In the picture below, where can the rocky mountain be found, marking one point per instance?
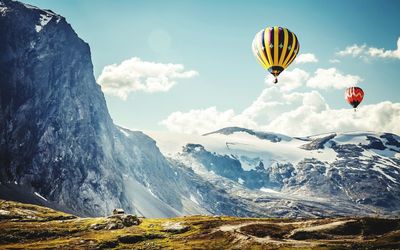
(60, 148)
(328, 174)
(58, 144)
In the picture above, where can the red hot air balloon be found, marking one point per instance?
(354, 96)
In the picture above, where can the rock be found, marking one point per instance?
(97, 226)
(176, 228)
(117, 222)
(318, 143)
(114, 225)
(130, 220)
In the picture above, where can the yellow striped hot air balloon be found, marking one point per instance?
(275, 48)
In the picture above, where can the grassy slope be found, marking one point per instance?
(34, 227)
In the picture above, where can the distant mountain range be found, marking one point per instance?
(336, 173)
(60, 148)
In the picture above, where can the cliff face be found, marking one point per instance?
(58, 144)
(55, 130)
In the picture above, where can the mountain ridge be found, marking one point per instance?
(335, 167)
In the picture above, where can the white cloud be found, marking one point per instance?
(295, 114)
(380, 117)
(363, 51)
(375, 52)
(272, 102)
(306, 58)
(353, 50)
(334, 61)
(289, 79)
(332, 78)
(200, 121)
(136, 75)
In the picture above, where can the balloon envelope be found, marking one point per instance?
(275, 48)
(354, 96)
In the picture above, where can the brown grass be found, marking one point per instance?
(33, 227)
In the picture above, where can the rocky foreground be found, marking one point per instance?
(29, 226)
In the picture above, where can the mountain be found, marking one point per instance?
(58, 144)
(322, 175)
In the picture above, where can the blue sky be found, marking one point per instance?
(214, 39)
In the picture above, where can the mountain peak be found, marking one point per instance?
(42, 17)
(270, 136)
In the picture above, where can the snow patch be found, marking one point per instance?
(246, 165)
(268, 190)
(124, 132)
(378, 169)
(356, 138)
(151, 192)
(386, 152)
(43, 21)
(192, 198)
(243, 146)
(3, 10)
(38, 195)
(241, 181)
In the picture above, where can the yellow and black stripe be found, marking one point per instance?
(275, 48)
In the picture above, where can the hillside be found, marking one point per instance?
(29, 226)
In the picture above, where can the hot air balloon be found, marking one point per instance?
(275, 48)
(354, 96)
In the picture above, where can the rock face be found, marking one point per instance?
(58, 144)
(56, 136)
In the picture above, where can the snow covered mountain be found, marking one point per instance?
(336, 173)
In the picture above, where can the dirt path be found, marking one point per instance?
(322, 227)
(232, 227)
(245, 238)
